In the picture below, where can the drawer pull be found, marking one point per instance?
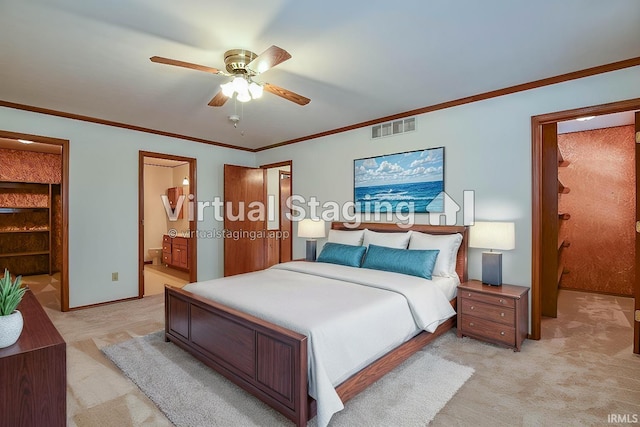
(501, 301)
(502, 333)
(469, 294)
(501, 314)
(472, 307)
(471, 324)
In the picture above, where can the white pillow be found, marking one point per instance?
(390, 240)
(346, 237)
(448, 245)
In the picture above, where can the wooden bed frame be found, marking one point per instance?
(270, 361)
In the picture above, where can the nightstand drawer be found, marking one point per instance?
(490, 299)
(490, 312)
(474, 326)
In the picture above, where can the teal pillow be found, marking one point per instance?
(336, 253)
(413, 262)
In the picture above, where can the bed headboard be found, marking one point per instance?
(385, 227)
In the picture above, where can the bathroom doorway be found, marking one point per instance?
(167, 246)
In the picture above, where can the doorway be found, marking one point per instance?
(278, 190)
(34, 215)
(167, 242)
(545, 215)
(255, 241)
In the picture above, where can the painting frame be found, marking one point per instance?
(404, 182)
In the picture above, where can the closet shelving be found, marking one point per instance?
(27, 227)
(563, 243)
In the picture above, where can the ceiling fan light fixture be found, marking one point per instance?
(256, 90)
(242, 66)
(227, 89)
(240, 84)
(243, 96)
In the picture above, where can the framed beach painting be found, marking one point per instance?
(400, 183)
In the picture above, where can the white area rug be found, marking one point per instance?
(191, 394)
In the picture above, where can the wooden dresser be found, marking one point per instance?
(33, 372)
(495, 314)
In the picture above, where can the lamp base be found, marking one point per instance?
(492, 268)
(311, 250)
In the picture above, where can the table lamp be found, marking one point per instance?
(311, 229)
(492, 235)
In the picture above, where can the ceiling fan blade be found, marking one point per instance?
(268, 59)
(286, 94)
(169, 61)
(218, 100)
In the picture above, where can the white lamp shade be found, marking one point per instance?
(227, 89)
(311, 228)
(243, 96)
(240, 84)
(493, 235)
(256, 90)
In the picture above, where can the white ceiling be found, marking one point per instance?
(14, 144)
(357, 61)
(598, 122)
(157, 161)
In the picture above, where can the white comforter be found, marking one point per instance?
(351, 316)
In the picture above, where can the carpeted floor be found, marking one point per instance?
(580, 372)
(190, 394)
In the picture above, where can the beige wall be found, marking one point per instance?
(156, 181)
(179, 172)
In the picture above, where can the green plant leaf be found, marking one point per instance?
(11, 293)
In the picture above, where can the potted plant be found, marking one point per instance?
(11, 293)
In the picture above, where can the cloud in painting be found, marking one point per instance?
(402, 168)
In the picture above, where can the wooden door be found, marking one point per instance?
(244, 249)
(549, 220)
(285, 222)
(636, 323)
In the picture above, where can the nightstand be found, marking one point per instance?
(495, 314)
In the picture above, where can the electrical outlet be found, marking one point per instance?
(114, 277)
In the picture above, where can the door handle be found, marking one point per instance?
(637, 226)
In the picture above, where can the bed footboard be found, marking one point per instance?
(264, 359)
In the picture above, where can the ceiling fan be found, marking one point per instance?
(243, 66)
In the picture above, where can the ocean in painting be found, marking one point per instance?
(382, 198)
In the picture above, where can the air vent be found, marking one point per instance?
(393, 128)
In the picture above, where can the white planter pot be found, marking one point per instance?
(10, 328)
